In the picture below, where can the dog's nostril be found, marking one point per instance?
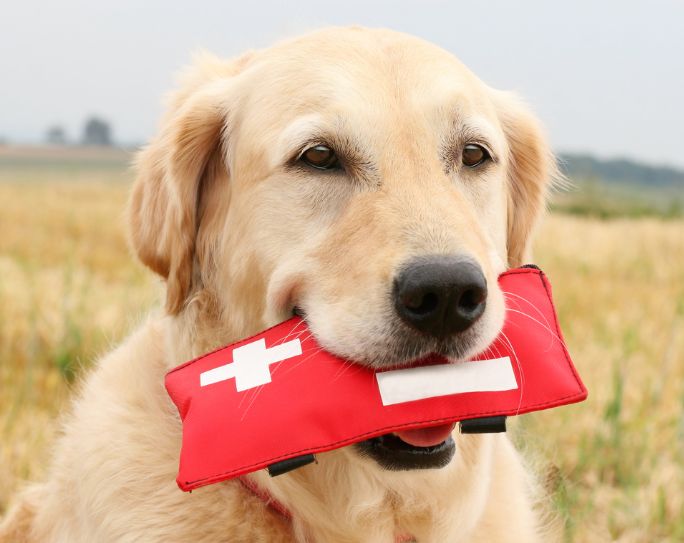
(440, 295)
(420, 303)
(471, 299)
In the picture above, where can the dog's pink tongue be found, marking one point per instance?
(426, 437)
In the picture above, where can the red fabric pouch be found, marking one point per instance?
(277, 398)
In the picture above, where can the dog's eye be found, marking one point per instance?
(474, 155)
(321, 157)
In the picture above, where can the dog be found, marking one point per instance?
(366, 180)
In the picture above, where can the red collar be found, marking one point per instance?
(266, 497)
(283, 511)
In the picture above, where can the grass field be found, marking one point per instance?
(69, 290)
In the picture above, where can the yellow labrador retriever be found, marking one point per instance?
(366, 180)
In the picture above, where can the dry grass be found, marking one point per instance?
(620, 455)
(69, 290)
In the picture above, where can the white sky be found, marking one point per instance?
(605, 76)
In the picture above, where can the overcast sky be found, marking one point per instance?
(605, 76)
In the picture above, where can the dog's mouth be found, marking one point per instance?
(424, 448)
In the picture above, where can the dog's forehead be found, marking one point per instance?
(364, 67)
(366, 77)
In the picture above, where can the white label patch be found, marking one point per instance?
(407, 385)
(250, 366)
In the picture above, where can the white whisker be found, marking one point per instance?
(289, 334)
(551, 332)
(541, 314)
(520, 371)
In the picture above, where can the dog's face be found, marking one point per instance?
(364, 179)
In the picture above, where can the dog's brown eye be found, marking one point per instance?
(321, 157)
(474, 155)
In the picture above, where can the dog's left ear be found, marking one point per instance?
(531, 172)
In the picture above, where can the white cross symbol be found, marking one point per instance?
(251, 363)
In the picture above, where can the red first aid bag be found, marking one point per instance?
(277, 397)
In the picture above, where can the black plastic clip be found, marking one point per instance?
(484, 425)
(291, 463)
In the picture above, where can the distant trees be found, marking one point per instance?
(620, 171)
(56, 135)
(96, 132)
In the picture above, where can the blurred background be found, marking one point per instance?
(82, 87)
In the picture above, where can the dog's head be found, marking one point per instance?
(363, 178)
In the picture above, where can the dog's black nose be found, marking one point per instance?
(440, 295)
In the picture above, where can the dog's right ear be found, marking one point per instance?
(172, 169)
(531, 173)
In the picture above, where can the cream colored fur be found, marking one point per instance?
(241, 235)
